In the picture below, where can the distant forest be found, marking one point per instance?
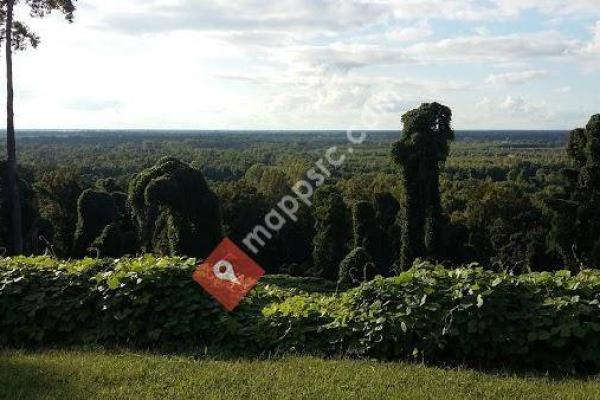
(510, 200)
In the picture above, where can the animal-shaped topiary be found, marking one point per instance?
(175, 210)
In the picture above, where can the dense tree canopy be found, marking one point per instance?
(424, 146)
(575, 232)
(518, 205)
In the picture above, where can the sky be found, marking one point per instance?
(311, 64)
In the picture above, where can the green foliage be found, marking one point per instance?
(363, 217)
(386, 214)
(424, 146)
(529, 167)
(175, 210)
(109, 185)
(270, 181)
(502, 221)
(142, 302)
(575, 228)
(31, 219)
(22, 35)
(547, 320)
(58, 192)
(462, 315)
(369, 235)
(332, 221)
(356, 267)
(96, 210)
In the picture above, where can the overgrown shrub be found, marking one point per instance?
(356, 267)
(142, 302)
(175, 209)
(462, 315)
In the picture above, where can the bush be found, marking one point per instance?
(463, 315)
(356, 267)
(142, 302)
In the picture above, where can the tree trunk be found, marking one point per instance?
(13, 189)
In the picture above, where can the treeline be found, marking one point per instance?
(374, 216)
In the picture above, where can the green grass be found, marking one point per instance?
(102, 375)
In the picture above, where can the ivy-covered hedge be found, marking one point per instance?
(551, 320)
(143, 302)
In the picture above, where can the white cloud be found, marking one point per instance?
(410, 33)
(593, 47)
(283, 15)
(515, 78)
(298, 63)
(519, 106)
(510, 111)
(341, 57)
(552, 8)
(469, 10)
(563, 90)
(487, 48)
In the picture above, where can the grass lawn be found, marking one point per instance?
(104, 375)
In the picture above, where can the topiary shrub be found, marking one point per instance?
(420, 152)
(175, 210)
(95, 210)
(104, 223)
(356, 267)
(333, 226)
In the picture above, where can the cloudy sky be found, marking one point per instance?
(312, 64)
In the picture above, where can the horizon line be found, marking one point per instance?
(269, 130)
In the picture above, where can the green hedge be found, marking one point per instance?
(551, 320)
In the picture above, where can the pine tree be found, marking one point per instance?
(16, 37)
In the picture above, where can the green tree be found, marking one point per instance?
(333, 231)
(368, 234)
(386, 214)
(17, 36)
(270, 181)
(420, 152)
(58, 192)
(32, 223)
(504, 226)
(175, 210)
(575, 231)
(96, 210)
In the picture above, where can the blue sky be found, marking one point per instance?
(312, 64)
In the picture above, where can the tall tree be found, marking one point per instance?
(58, 192)
(386, 213)
(424, 146)
(575, 231)
(333, 231)
(17, 36)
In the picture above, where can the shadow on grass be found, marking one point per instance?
(20, 374)
(23, 379)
